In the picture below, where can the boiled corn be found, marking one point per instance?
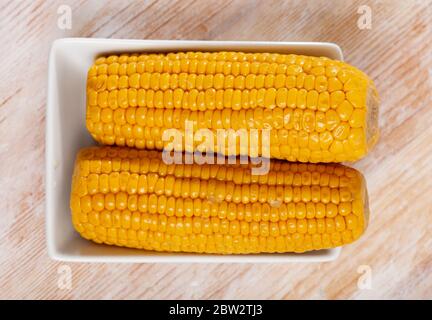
(128, 197)
(317, 109)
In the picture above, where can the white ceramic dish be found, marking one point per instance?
(66, 133)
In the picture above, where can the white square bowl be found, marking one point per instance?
(66, 133)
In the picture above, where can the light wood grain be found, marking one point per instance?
(396, 53)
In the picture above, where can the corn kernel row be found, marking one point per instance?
(235, 99)
(223, 180)
(111, 173)
(217, 225)
(256, 211)
(231, 56)
(217, 243)
(286, 64)
(223, 190)
(275, 120)
(219, 81)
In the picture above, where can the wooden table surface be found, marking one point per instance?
(393, 259)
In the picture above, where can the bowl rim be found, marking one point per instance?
(187, 45)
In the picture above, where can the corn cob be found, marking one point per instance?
(131, 198)
(318, 109)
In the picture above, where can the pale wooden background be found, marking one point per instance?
(396, 52)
